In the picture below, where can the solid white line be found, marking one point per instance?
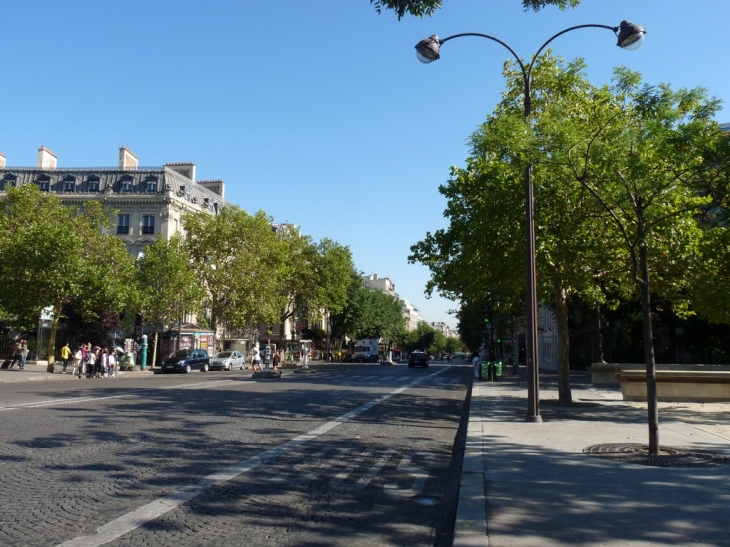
(67, 401)
(72, 400)
(134, 519)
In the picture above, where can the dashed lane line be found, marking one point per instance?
(142, 515)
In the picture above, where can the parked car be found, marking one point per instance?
(417, 359)
(185, 360)
(227, 360)
(349, 358)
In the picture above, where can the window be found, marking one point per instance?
(151, 186)
(69, 186)
(148, 224)
(92, 183)
(122, 224)
(43, 185)
(127, 186)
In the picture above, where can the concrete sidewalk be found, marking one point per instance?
(530, 484)
(38, 372)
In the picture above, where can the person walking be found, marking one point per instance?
(65, 357)
(276, 360)
(112, 364)
(90, 363)
(24, 353)
(256, 360)
(476, 363)
(17, 355)
(78, 357)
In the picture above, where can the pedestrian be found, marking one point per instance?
(275, 361)
(65, 357)
(24, 351)
(90, 363)
(104, 363)
(256, 360)
(17, 355)
(112, 364)
(78, 358)
(476, 363)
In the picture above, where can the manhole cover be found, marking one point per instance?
(669, 456)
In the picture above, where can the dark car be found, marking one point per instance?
(417, 359)
(185, 360)
(349, 358)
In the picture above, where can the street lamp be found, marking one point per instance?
(630, 36)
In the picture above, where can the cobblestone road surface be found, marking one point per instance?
(349, 456)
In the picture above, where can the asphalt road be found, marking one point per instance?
(350, 455)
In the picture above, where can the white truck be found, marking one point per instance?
(367, 351)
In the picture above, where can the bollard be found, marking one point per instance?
(143, 363)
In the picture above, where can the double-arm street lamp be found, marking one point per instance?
(630, 36)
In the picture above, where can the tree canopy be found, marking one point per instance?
(419, 8)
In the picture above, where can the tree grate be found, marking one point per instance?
(669, 456)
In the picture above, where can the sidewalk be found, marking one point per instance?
(34, 373)
(530, 484)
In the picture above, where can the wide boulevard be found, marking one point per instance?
(353, 455)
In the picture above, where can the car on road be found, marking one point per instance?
(417, 359)
(349, 358)
(186, 360)
(227, 360)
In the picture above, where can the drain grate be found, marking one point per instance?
(669, 456)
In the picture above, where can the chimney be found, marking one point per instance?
(184, 168)
(127, 160)
(3, 160)
(46, 158)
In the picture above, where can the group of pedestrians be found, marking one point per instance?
(93, 361)
(256, 361)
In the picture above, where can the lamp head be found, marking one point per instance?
(428, 50)
(630, 36)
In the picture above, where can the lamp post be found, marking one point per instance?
(630, 37)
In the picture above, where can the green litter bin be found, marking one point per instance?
(498, 368)
(485, 370)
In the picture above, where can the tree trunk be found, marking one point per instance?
(651, 394)
(154, 350)
(561, 317)
(52, 336)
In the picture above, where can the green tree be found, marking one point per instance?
(240, 263)
(382, 317)
(480, 257)
(419, 8)
(642, 155)
(316, 278)
(167, 285)
(60, 255)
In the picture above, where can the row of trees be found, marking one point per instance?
(631, 189)
(231, 270)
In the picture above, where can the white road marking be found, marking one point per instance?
(74, 400)
(420, 477)
(134, 519)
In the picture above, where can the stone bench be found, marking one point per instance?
(607, 374)
(677, 385)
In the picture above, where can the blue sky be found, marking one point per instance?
(316, 112)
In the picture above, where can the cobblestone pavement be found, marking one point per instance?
(346, 457)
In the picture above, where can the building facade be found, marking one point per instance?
(149, 201)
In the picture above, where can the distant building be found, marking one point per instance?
(411, 314)
(444, 329)
(725, 126)
(384, 284)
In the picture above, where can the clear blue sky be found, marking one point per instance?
(316, 112)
